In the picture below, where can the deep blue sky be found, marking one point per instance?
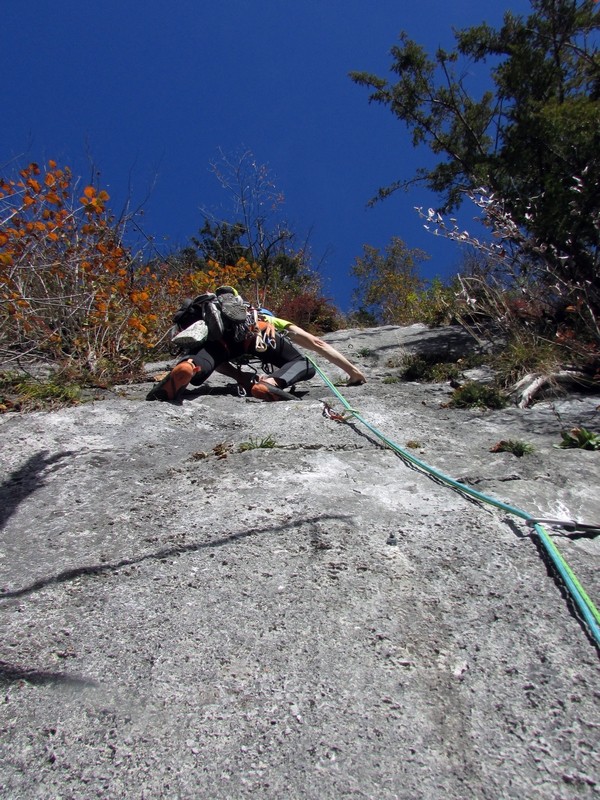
(149, 91)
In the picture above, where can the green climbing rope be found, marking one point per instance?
(585, 605)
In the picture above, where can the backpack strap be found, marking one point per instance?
(214, 320)
(182, 310)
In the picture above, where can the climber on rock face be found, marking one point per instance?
(241, 334)
(234, 331)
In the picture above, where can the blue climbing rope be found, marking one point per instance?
(583, 602)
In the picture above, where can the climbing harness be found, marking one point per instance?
(583, 602)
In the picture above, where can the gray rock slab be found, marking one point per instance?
(186, 618)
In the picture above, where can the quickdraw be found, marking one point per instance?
(330, 413)
(569, 525)
(263, 341)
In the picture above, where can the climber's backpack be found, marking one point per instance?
(223, 315)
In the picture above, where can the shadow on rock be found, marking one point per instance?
(10, 673)
(26, 480)
(99, 569)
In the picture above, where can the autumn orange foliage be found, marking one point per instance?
(71, 291)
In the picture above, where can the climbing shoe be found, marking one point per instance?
(170, 388)
(268, 392)
(233, 308)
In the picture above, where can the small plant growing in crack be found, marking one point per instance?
(268, 442)
(580, 438)
(477, 395)
(514, 446)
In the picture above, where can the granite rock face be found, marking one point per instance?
(189, 614)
